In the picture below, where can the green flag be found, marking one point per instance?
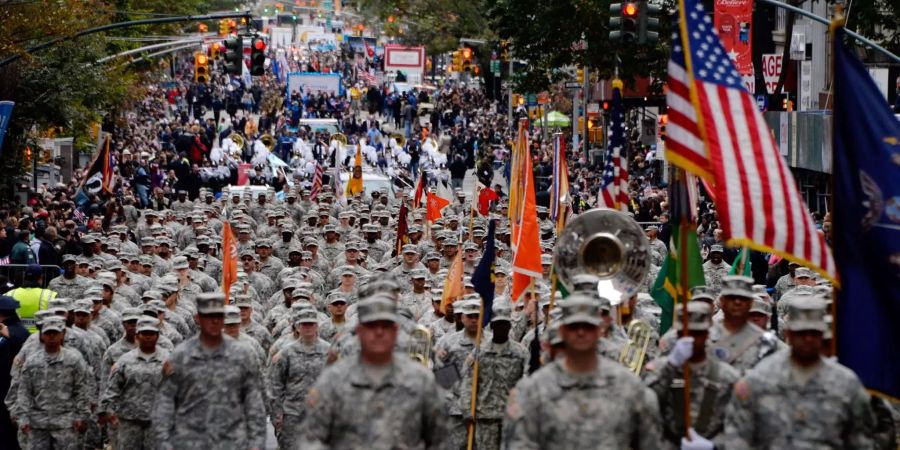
(666, 289)
(737, 262)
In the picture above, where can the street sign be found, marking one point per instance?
(593, 109)
(573, 85)
(495, 67)
(531, 99)
(762, 102)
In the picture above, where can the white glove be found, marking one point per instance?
(697, 442)
(681, 351)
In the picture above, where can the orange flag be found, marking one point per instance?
(526, 240)
(453, 287)
(355, 183)
(229, 260)
(434, 206)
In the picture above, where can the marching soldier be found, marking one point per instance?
(294, 370)
(581, 400)
(375, 400)
(796, 398)
(711, 381)
(54, 395)
(210, 396)
(127, 401)
(502, 363)
(734, 339)
(69, 284)
(715, 269)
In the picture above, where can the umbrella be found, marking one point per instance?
(558, 119)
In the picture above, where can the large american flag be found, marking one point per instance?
(757, 198)
(613, 192)
(316, 183)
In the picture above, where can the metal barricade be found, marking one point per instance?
(15, 274)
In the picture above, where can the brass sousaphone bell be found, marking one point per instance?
(268, 141)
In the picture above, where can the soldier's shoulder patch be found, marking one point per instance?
(312, 397)
(742, 390)
(513, 411)
(168, 368)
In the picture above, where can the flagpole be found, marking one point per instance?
(838, 21)
(473, 402)
(682, 293)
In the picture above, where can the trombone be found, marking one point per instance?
(420, 345)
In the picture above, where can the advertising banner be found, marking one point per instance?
(733, 20)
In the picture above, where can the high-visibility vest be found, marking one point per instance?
(31, 300)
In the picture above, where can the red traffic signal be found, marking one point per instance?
(259, 44)
(606, 106)
(629, 10)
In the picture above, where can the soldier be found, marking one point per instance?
(70, 284)
(711, 381)
(501, 363)
(294, 370)
(734, 339)
(796, 398)
(581, 400)
(210, 396)
(786, 281)
(419, 300)
(248, 325)
(402, 407)
(658, 250)
(338, 323)
(127, 400)
(233, 328)
(269, 265)
(54, 395)
(715, 269)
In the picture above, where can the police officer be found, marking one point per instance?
(796, 398)
(127, 400)
(210, 396)
(31, 296)
(294, 370)
(377, 400)
(711, 380)
(581, 400)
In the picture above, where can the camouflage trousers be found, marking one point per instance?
(488, 434)
(456, 438)
(134, 435)
(289, 435)
(54, 439)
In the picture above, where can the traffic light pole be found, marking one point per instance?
(133, 23)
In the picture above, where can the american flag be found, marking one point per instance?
(757, 198)
(367, 77)
(78, 216)
(317, 183)
(614, 187)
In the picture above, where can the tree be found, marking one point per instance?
(548, 35)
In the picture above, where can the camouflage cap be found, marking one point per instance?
(308, 315)
(210, 303)
(803, 272)
(716, 248)
(378, 307)
(242, 300)
(702, 293)
(53, 323)
(83, 306)
(501, 311)
(737, 286)
(760, 306)
(806, 313)
(180, 262)
(147, 323)
(699, 315)
(130, 314)
(430, 256)
(581, 308)
(232, 315)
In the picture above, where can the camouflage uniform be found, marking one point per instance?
(771, 409)
(607, 409)
(294, 370)
(65, 288)
(711, 382)
(348, 411)
(500, 366)
(713, 275)
(129, 395)
(210, 399)
(55, 390)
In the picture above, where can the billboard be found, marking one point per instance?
(314, 82)
(733, 20)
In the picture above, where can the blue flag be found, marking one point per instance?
(483, 277)
(6, 108)
(866, 232)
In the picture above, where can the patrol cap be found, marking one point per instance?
(347, 270)
(210, 303)
(546, 259)
(501, 311)
(88, 239)
(470, 304)
(760, 306)
(180, 262)
(147, 323)
(432, 256)
(242, 300)
(702, 293)
(148, 241)
(377, 307)
(130, 314)
(417, 274)
(53, 323)
(581, 308)
(59, 304)
(232, 315)
(699, 315)
(67, 258)
(551, 334)
(301, 293)
(83, 306)
(803, 272)
(716, 248)
(307, 315)
(806, 313)
(334, 298)
(737, 286)
(410, 248)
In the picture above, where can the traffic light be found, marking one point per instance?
(579, 75)
(456, 62)
(467, 59)
(27, 155)
(223, 27)
(234, 55)
(201, 68)
(648, 22)
(257, 57)
(202, 28)
(214, 50)
(504, 50)
(623, 22)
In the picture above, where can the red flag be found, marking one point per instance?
(229, 260)
(420, 189)
(435, 205)
(453, 287)
(527, 240)
(402, 230)
(485, 197)
(369, 50)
